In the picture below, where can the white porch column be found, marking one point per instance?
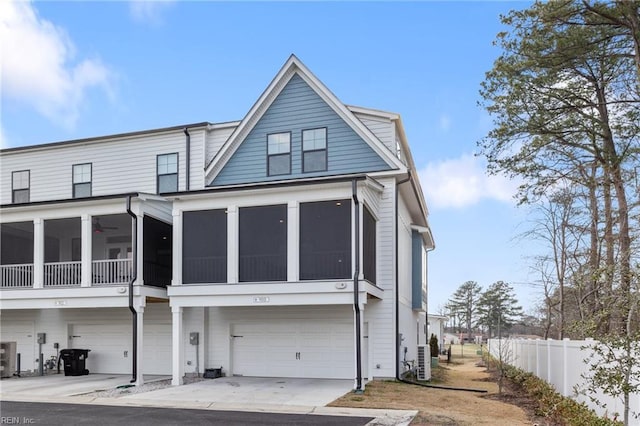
(140, 250)
(233, 237)
(86, 252)
(293, 237)
(177, 359)
(140, 343)
(38, 253)
(176, 279)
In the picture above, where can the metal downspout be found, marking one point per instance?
(134, 276)
(356, 289)
(188, 159)
(397, 295)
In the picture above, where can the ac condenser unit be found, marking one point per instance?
(7, 358)
(424, 362)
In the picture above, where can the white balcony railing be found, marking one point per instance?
(16, 276)
(111, 271)
(62, 274)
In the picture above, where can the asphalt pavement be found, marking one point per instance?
(50, 414)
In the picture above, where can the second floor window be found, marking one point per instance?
(167, 180)
(279, 154)
(81, 180)
(20, 186)
(314, 150)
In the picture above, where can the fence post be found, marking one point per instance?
(549, 360)
(565, 366)
(537, 371)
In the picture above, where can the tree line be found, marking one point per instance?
(564, 96)
(490, 311)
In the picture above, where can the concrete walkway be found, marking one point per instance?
(251, 394)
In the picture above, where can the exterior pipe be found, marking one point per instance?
(356, 289)
(397, 295)
(188, 159)
(134, 276)
(429, 385)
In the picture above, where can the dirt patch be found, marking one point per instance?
(447, 407)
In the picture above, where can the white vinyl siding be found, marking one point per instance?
(215, 139)
(382, 128)
(197, 159)
(380, 314)
(119, 166)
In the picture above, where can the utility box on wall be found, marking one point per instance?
(194, 337)
(42, 338)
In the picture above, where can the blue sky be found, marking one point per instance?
(80, 69)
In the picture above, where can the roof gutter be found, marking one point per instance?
(356, 288)
(134, 276)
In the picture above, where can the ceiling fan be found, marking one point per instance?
(98, 228)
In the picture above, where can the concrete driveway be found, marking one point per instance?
(231, 392)
(58, 385)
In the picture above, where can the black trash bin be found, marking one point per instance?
(74, 361)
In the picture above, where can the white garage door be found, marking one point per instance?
(110, 346)
(22, 333)
(293, 349)
(111, 352)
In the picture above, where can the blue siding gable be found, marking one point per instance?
(296, 108)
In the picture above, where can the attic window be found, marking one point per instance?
(279, 154)
(314, 150)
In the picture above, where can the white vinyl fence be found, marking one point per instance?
(562, 364)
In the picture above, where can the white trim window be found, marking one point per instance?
(20, 186)
(167, 173)
(314, 150)
(82, 180)
(279, 154)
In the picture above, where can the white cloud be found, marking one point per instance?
(462, 182)
(149, 11)
(38, 66)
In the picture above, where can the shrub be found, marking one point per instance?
(433, 343)
(551, 404)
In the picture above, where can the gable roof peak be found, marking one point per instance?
(291, 67)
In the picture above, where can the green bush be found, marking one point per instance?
(433, 343)
(551, 404)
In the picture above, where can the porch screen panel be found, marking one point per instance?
(204, 247)
(369, 246)
(325, 240)
(263, 243)
(16, 243)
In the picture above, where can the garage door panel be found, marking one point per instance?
(110, 346)
(299, 348)
(107, 343)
